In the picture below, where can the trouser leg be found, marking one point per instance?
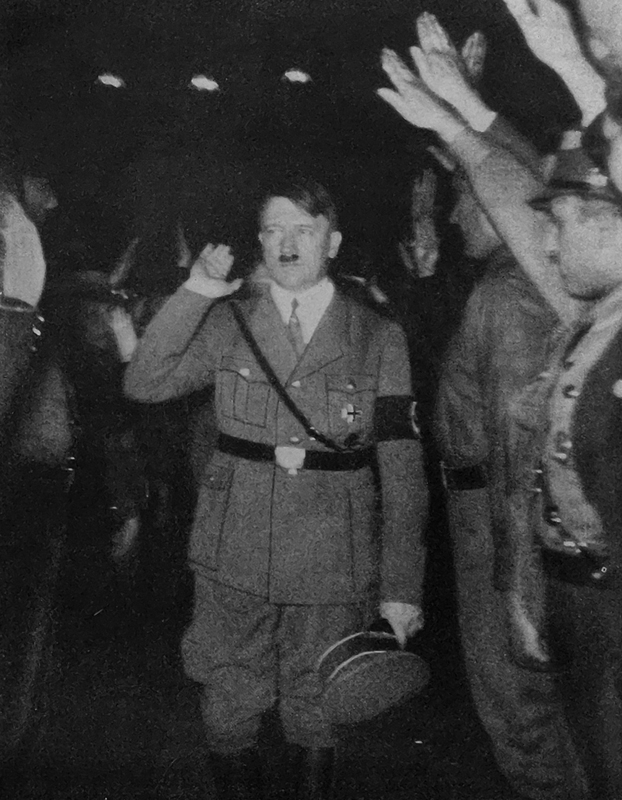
(304, 633)
(586, 628)
(228, 648)
(520, 710)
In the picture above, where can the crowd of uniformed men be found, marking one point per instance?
(312, 496)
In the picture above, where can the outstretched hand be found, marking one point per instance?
(214, 261)
(548, 30)
(411, 98)
(210, 272)
(421, 253)
(423, 194)
(474, 56)
(442, 67)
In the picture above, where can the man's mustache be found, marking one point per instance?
(288, 259)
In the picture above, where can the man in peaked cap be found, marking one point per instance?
(564, 428)
(568, 436)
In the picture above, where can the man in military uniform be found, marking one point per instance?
(283, 544)
(566, 467)
(502, 342)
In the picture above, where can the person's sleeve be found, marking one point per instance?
(504, 135)
(19, 334)
(403, 480)
(174, 356)
(459, 412)
(504, 186)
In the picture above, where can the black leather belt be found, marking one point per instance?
(465, 478)
(314, 459)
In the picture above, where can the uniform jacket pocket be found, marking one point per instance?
(243, 391)
(212, 504)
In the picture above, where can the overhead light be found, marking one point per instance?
(204, 84)
(296, 76)
(108, 79)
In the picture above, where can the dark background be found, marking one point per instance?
(133, 160)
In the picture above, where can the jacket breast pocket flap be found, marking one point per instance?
(243, 391)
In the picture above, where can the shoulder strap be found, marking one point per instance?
(276, 384)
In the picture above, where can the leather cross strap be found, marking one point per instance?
(311, 431)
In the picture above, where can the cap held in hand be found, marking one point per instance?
(368, 673)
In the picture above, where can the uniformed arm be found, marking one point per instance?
(502, 182)
(17, 343)
(174, 356)
(22, 278)
(549, 31)
(404, 488)
(459, 412)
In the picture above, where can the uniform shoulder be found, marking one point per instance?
(360, 297)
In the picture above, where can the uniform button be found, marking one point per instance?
(570, 391)
(552, 517)
(563, 446)
(294, 439)
(351, 387)
(244, 372)
(296, 384)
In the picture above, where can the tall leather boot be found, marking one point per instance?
(317, 774)
(237, 776)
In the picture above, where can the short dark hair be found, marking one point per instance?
(310, 195)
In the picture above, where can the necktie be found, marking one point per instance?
(294, 329)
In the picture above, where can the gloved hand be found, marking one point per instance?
(405, 619)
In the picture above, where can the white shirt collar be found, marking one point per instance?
(312, 303)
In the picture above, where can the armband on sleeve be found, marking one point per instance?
(395, 418)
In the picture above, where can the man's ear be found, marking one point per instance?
(335, 242)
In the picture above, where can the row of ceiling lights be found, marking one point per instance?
(204, 83)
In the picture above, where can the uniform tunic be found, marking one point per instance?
(575, 428)
(307, 539)
(501, 344)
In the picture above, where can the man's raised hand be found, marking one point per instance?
(442, 67)
(411, 98)
(548, 30)
(210, 271)
(214, 261)
(474, 56)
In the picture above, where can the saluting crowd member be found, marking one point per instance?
(502, 343)
(283, 546)
(564, 427)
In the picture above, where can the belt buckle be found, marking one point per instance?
(291, 459)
